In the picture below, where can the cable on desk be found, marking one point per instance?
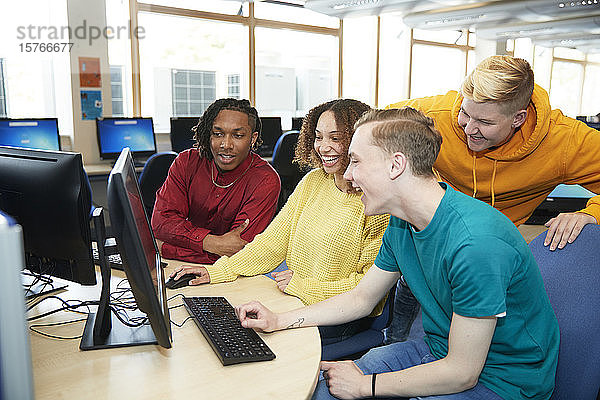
(122, 297)
(33, 326)
(121, 301)
(127, 320)
(174, 296)
(183, 323)
(42, 277)
(66, 307)
(177, 306)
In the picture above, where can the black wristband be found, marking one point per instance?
(373, 380)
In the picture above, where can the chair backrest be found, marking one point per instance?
(289, 173)
(572, 281)
(283, 154)
(358, 344)
(153, 176)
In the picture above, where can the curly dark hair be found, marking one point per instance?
(346, 112)
(203, 129)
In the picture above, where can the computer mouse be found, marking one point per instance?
(181, 282)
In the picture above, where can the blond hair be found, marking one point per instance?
(500, 79)
(408, 131)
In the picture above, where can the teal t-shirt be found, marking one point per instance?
(471, 260)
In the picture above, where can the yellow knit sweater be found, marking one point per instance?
(324, 236)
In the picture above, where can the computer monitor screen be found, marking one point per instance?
(297, 123)
(137, 246)
(564, 198)
(270, 132)
(16, 380)
(114, 134)
(48, 194)
(30, 133)
(182, 137)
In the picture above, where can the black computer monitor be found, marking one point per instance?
(48, 194)
(593, 121)
(297, 123)
(141, 262)
(16, 380)
(182, 137)
(38, 133)
(114, 134)
(270, 132)
(564, 198)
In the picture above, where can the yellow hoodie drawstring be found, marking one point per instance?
(492, 184)
(474, 176)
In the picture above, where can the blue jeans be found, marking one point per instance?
(406, 308)
(399, 356)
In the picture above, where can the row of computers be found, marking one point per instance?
(115, 133)
(47, 194)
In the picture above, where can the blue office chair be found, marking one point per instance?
(153, 176)
(572, 280)
(355, 346)
(289, 173)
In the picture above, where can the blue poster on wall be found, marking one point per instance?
(91, 104)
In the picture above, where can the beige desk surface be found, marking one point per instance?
(98, 169)
(190, 369)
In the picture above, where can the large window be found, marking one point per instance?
(591, 88)
(574, 81)
(439, 61)
(193, 92)
(119, 58)
(294, 72)
(217, 6)
(116, 86)
(185, 63)
(394, 60)
(35, 84)
(233, 86)
(293, 13)
(360, 58)
(565, 87)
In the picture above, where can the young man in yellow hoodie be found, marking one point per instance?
(504, 145)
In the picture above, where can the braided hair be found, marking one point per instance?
(203, 130)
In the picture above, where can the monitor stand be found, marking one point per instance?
(103, 329)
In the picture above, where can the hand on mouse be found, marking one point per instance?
(200, 272)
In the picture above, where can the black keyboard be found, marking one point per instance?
(232, 343)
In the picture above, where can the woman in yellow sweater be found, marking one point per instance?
(321, 233)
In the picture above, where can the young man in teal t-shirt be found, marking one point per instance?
(490, 332)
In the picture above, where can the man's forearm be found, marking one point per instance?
(435, 378)
(211, 244)
(468, 345)
(336, 310)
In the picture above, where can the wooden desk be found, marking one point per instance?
(98, 169)
(103, 169)
(190, 369)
